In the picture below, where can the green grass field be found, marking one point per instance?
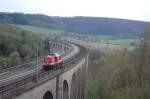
(119, 41)
(127, 42)
(110, 39)
(40, 30)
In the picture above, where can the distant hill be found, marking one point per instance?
(85, 25)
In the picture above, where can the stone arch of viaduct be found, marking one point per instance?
(68, 85)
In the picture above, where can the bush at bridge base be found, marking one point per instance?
(129, 93)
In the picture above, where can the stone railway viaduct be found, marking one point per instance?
(68, 85)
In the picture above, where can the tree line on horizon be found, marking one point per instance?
(83, 25)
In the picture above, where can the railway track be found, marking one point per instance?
(29, 69)
(27, 65)
(32, 79)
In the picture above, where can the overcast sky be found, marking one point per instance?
(127, 9)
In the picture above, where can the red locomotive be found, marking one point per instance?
(52, 60)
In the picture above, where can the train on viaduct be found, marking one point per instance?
(31, 82)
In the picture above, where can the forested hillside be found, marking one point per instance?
(120, 74)
(86, 25)
(16, 46)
